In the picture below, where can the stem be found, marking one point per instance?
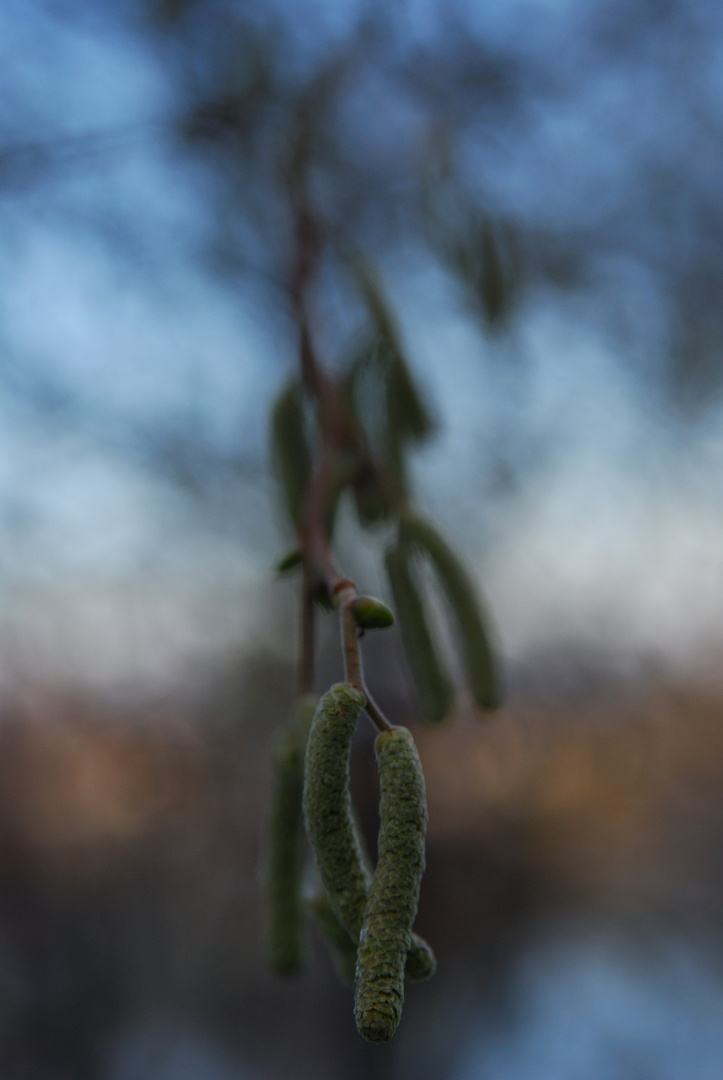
(306, 658)
(375, 714)
(352, 656)
(350, 644)
(336, 439)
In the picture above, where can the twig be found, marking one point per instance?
(306, 657)
(337, 437)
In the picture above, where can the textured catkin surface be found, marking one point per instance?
(392, 904)
(334, 835)
(421, 961)
(327, 805)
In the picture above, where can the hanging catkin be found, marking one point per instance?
(327, 804)
(285, 845)
(332, 829)
(392, 905)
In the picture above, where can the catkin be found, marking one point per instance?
(421, 962)
(392, 905)
(285, 846)
(332, 829)
(327, 804)
(477, 651)
(433, 686)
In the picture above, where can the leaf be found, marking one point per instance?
(407, 412)
(433, 687)
(290, 449)
(474, 638)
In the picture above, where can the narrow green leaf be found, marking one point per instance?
(461, 596)
(408, 415)
(290, 449)
(433, 687)
(289, 562)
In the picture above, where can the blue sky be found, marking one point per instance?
(611, 537)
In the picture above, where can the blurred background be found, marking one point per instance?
(539, 187)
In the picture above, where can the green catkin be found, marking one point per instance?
(285, 846)
(477, 651)
(332, 829)
(290, 449)
(421, 963)
(392, 905)
(327, 805)
(433, 687)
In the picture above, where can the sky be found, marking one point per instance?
(589, 512)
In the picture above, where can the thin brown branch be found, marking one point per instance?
(307, 651)
(337, 438)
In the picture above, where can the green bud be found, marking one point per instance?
(372, 614)
(386, 932)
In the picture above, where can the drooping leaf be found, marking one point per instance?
(433, 687)
(474, 638)
(291, 455)
(289, 562)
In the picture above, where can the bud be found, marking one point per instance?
(371, 614)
